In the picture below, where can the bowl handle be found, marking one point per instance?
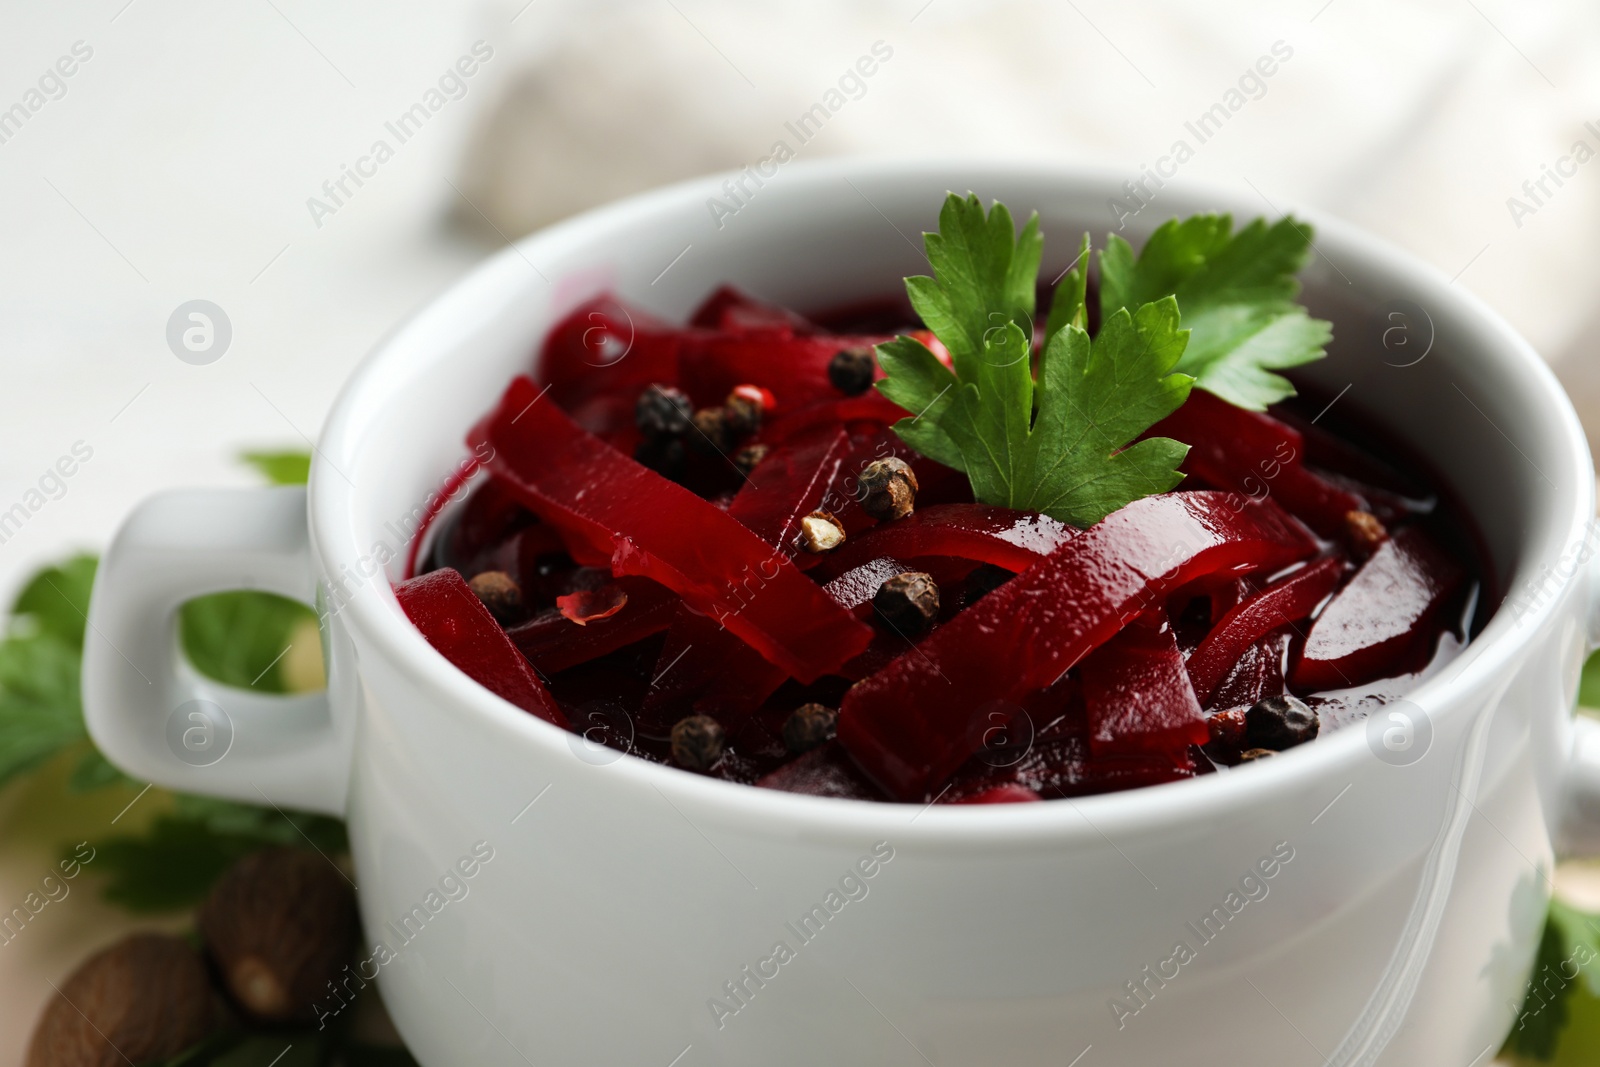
(153, 714)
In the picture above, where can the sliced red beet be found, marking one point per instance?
(472, 537)
(605, 347)
(823, 772)
(554, 642)
(703, 663)
(455, 622)
(1006, 538)
(789, 485)
(860, 584)
(705, 668)
(1286, 601)
(1257, 674)
(1383, 618)
(794, 367)
(1064, 766)
(649, 526)
(1138, 694)
(731, 308)
(1257, 456)
(868, 407)
(1337, 455)
(914, 722)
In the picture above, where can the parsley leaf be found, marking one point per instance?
(40, 713)
(1537, 1028)
(174, 864)
(242, 637)
(1566, 975)
(280, 468)
(1095, 398)
(56, 599)
(984, 276)
(1237, 292)
(1061, 444)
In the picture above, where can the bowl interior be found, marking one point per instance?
(1411, 352)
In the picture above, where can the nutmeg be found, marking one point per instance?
(144, 999)
(280, 925)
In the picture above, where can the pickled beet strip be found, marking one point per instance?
(704, 663)
(478, 535)
(455, 622)
(1386, 615)
(604, 347)
(1336, 455)
(712, 669)
(789, 485)
(823, 772)
(553, 642)
(731, 308)
(1006, 538)
(1257, 456)
(859, 584)
(1138, 694)
(1062, 766)
(657, 529)
(794, 367)
(913, 723)
(704, 667)
(868, 407)
(1282, 603)
(1258, 673)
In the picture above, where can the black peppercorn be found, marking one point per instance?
(662, 411)
(697, 742)
(887, 489)
(749, 457)
(808, 726)
(851, 370)
(500, 594)
(664, 455)
(710, 433)
(908, 602)
(1279, 723)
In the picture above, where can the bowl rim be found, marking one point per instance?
(381, 625)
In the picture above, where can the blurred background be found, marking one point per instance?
(230, 154)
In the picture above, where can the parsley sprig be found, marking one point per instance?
(1237, 292)
(1060, 443)
(1199, 306)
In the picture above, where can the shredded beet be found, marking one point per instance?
(695, 531)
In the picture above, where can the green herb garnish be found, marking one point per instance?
(1063, 440)
(1059, 444)
(1237, 293)
(1567, 967)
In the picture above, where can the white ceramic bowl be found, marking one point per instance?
(613, 904)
